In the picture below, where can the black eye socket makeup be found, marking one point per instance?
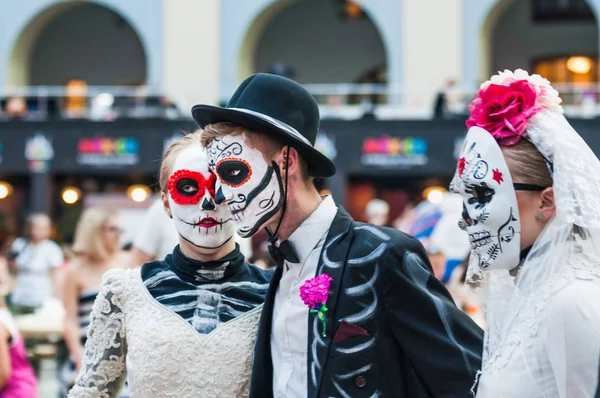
(234, 172)
(187, 187)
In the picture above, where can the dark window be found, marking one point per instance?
(562, 10)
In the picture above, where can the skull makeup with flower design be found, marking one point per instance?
(191, 191)
(498, 116)
(490, 211)
(246, 182)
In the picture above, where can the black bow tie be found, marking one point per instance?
(285, 251)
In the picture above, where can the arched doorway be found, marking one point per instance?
(543, 36)
(315, 42)
(78, 40)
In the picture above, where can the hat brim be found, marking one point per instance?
(319, 165)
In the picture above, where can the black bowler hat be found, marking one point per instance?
(276, 106)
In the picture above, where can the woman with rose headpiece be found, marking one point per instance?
(531, 195)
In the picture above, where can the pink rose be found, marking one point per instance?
(503, 111)
(314, 292)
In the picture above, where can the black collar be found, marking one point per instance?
(205, 271)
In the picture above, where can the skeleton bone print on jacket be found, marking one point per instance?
(490, 212)
(246, 182)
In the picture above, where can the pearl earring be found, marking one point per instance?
(539, 216)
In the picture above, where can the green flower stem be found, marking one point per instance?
(321, 315)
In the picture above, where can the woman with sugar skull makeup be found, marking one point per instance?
(531, 195)
(184, 326)
(390, 328)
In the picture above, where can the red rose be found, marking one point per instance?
(503, 111)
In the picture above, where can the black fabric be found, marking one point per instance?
(281, 99)
(206, 294)
(187, 268)
(418, 343)
(285, 251)
(528, 187)
(525, 253)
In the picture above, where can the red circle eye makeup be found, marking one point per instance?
(187, 187)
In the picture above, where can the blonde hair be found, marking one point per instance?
(265, 144)
(88, 240)
(168, 158)
(526, 164)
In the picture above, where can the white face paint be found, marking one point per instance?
(491, 214)
(246, 182)
(197, 218)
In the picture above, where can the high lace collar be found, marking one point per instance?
(205, 271)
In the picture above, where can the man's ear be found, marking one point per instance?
(166, 206)
(293, 160)
(547, 205)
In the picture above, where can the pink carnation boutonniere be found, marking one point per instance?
(314, 292)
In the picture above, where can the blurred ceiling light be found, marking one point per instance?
(138, 193)
(71, 195)
(579, 65)
(5, 189)
(434, 194)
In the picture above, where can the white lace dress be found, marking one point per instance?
(134, 337)
(554, 351)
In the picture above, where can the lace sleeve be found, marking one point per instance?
(573, 340)
(103, 370)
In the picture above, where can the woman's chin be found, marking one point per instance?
(204, 247)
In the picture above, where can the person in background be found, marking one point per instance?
(424, 219)
(17, 378)
(97, 247)
(156, 238)
(447, 235)
(378, 212)
(464, 295)
(437, 258)
(35, 261)
(406, 219)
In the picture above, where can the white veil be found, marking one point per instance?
(568, 249)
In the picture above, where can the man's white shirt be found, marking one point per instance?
(289, 336)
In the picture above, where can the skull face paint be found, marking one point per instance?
(490, 212)
(198, 219)
(246, 182)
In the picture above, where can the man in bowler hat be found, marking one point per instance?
(375, 322)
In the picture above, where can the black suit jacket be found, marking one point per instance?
(417, 342)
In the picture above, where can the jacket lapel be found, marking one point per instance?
(333, 263)
(261, 385)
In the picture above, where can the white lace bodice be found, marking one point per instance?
(133, 336)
